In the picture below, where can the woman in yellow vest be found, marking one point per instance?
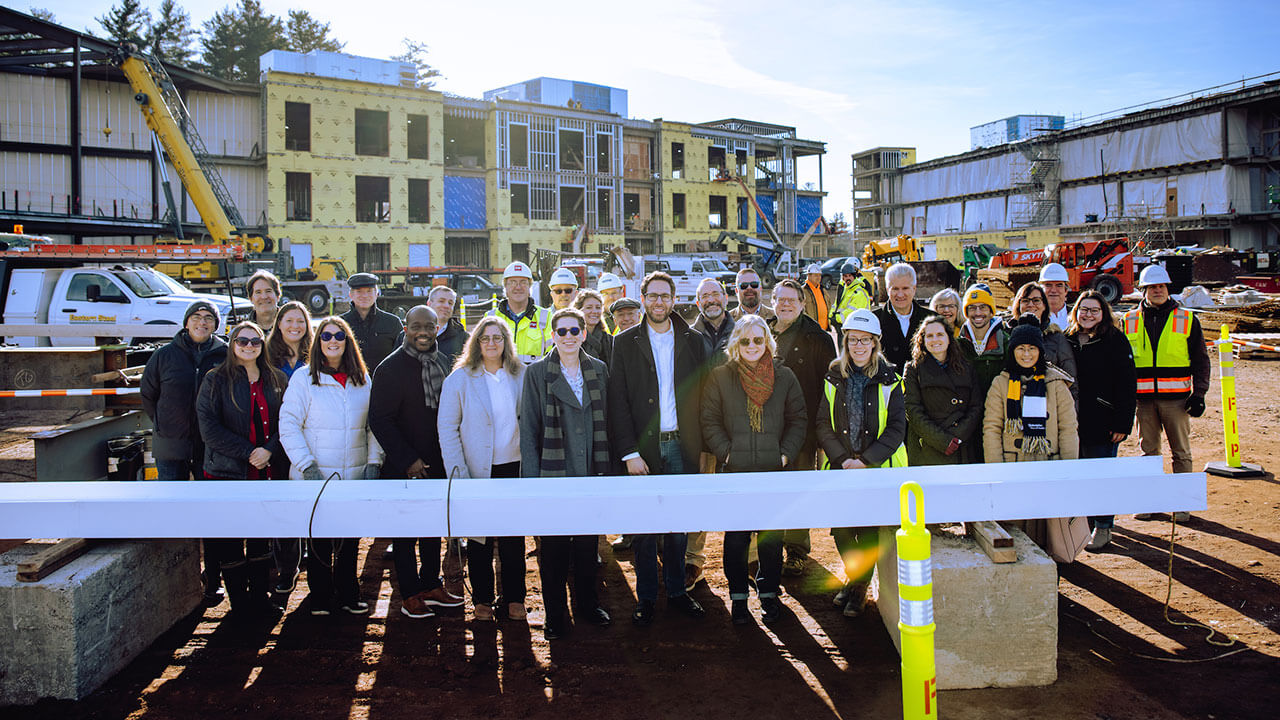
(862, 423)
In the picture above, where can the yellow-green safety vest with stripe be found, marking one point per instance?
(1164, 371)
(899, 456)
(533, 335)
(852, 298)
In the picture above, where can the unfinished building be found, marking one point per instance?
(1202, 172)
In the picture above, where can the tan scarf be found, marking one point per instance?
(757, 381)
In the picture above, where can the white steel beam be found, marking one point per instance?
(595, 505)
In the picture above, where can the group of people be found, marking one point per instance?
(599, 384)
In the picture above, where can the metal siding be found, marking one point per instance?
(229, 124)
(40, 114)
(110, 105)
(247, 186)
(41, 181)
(464, 203)
(118, 186)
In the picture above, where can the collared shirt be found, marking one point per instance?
(664, 360)
(502, 402)
(1062, 318)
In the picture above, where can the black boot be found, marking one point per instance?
(235, 575)
(259, 589)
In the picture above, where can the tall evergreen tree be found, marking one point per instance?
(304, 33)
(126, 22)
(43, 14)
(416, 52)
(233, 40)
(169, 36)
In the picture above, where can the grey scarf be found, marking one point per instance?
(432, 373)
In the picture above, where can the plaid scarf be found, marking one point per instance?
(432, 373)
(1027, 410)
(553, 458)
(757, 381)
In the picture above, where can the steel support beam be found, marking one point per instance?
(591, 505)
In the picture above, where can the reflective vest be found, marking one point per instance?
(532, 334)
(1164, 370)
(852, 297)
(899, 456)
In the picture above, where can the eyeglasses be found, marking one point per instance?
(785, 300)
(491, 339)
(563, 291)
(573, 330)
(1033, 301)
(749, 285)
(947, 306)
(862, 340)
(655, 297)
(757, 340)
(326, 336)
(249, 341)
(205, 318)
(1086, 310)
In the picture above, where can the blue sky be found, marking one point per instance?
(854, 74)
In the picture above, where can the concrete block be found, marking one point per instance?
(66, 635)
(50, 368)
(997, 624)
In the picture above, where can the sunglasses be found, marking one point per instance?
(562, 291)
(326, 336)
(749, 285)
(744, 342)
(249, 341)
(574, 331)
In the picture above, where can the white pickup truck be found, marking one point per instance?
(104, 295)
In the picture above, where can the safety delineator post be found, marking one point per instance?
(915, 609)
(1232, 466)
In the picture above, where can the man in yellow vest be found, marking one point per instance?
(851, 295)
(529, 323)
(1173, 370)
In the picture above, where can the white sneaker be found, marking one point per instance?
(1101, 539)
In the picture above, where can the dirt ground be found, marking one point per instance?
(1118, 657)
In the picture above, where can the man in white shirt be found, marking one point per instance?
(1054, 280)
(655, 392)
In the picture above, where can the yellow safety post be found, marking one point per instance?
(915, 609)
(462, 311)
(1232, 466)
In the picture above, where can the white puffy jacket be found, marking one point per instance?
(327, 424)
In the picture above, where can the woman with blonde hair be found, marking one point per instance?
(324, 430)
(862, 423)
(480, 438)
(753, 420)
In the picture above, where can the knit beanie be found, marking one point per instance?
(196, 307)
(1027, 332)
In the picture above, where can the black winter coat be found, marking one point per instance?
(224, 412)
(808, 351)
(377, 335)
(941, 405)
(599, 345)
(634, 419)
(450, 342)
(1108, 386)
(716, 340)
(873, 450)
(400, 419)
(727, 428)
(896, 346)
(170, 385)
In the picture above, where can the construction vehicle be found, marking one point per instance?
(166, 115)
(588, 267)
(1103, 265)
(977, 257)
(931, 275)
(772, 261)
(886, 252)
(91, 286)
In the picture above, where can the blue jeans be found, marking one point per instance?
(1100, 450)
(769, 546)
(645, 547)
(173, 470)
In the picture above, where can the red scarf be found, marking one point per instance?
(757, 381)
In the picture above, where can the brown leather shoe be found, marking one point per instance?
(484, 613)
(439, 597)
(416, 607)
(692, 576)
(516, 611)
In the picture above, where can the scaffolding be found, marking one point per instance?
(1035, 174)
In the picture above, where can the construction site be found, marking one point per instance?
(137, 190)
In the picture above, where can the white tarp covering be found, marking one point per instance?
(965, 178)
(985, 214)
(1077, 202)
(943, 218)
(1239, 144)
(1172, 143)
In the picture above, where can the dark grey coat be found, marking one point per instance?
(942, 405)
(728, 432)
(575, 418)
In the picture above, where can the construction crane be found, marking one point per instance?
(773, 258)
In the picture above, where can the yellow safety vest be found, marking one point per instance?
(899, 456)
(1164, 371)
(853, 298)
(532, 334)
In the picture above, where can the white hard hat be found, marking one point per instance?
(608, 281)
(864, 320)
(517, 270)
(1155, 274)
(1054, 272)
(814, 269)
(563, 276)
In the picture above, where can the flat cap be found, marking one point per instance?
(362, 280)
(625, 303)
